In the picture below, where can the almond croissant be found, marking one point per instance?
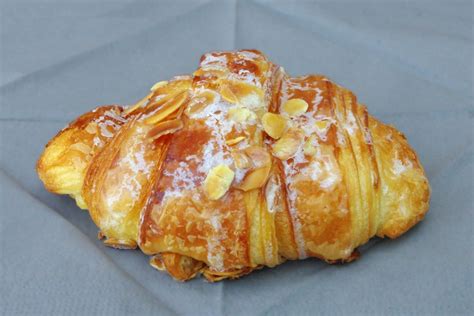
(237, 167)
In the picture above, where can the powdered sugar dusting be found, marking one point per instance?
(350, 124)
(214, 151)
(131, 167)
(215, 250)
(291, 171)
(399, 167)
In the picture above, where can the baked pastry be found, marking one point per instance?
(237, 167)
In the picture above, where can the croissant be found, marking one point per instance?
(236, 167)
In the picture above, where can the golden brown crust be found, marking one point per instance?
(63, 164)
(237, 167)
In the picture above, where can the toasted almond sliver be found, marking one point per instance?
(255, 179)
(295, 107)
(157, 100)
(164, 128)
(241, 160)
(274, 125)
(138, 104)
(259, 163)
(287, 146)
(218, 181)
(234, 141)
(259, 156)
(176, 114)
(159, 84)
(228, 95)
(194, 108)
(242, 93)
(199, 102)
(169, 107)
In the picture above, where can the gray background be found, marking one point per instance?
(409, 61)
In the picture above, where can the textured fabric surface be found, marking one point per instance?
(410, 62)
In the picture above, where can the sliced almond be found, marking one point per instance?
(241, 92)
(295, 107)
(199, 102)
(159, 84)
(218, 181)
(138, 104)
(241, 160)
(255, 179)
(177, 114)
(234, 141)
(240, 115)
(261, 163)
(287, 146)
(160, 99)
(228, 95)
(274, 125)
(164, 128)
(169, 107)
(258, 156)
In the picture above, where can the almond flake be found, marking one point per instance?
(218, 181)
(241, 160)
(199, 102)
(234, 141)
(255, 179)
(295, 107)
(164, 128)
(169, 107)
(274, 125)
(240, 115)
(228, 95)
(138, 104)
(287, 146)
